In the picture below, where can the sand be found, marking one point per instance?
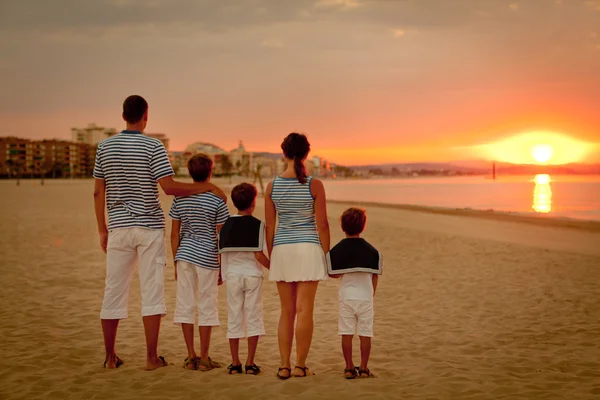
(468, 307)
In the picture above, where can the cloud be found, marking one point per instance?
(398, 33)
(338, 3)
(513, 6)
(275, 43)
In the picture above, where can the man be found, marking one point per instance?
(128, 167)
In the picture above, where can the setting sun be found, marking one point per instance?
(539, 147)
(542, 153)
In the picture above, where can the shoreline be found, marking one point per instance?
(507, 216)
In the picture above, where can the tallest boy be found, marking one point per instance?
(128, 167)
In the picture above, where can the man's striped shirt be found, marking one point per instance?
(295, 207)
(199, 215)
(131, 164)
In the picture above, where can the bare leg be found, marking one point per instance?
(347, 350)
(285, 333)
(252, 345)
(305, 303)
(205, 332)
(188, 336)
(365, 351)
(109, 329)
(152, 329)
(234, 346)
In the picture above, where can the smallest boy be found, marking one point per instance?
(197, 220)
(358, 264)
(241, 244)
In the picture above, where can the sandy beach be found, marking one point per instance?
(470, 306)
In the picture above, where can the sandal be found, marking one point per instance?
(283, 377)
(163, 363)
(366, 372)
(303, 369)
(234, 369)
(193, 362)
(352, 371)
(208, 365)
(117, 364)
(252, 369)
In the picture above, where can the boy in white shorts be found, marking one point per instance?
(241, 244)
(358, 264)
(197, 221)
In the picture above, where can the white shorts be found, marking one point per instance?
(125, 247)
(244, 304)
(356, 314)
(193, 280)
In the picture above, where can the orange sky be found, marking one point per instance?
(367, 81)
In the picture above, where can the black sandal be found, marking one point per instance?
(252, 369)
(283, 378)
(303, 369)
(118, 363)
(366, 372)
(234, 368)
(353, 373)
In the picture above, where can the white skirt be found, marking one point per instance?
(298, 262)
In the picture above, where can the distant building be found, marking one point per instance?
(91, 134)
(59, 158)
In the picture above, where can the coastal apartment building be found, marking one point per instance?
(91, 134)
(57, 158)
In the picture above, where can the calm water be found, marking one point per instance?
(561, 196)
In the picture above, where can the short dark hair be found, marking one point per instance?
(134, 108)
(354, 220)
(243, 195)
(200, 167)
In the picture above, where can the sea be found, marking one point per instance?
(576, 197)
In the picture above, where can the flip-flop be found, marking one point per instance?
(283, 378)
(117, 364)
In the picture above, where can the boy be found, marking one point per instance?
(127, 169)
(197, 221)
(241, 244)
(359, 264)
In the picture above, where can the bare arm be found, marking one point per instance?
(270, 217)
(99, 206)
(175, 229)
(219, 256)
(375, 280)
(318, 191)
(174, 188)
(261, 258)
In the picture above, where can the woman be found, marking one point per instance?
(297, 250)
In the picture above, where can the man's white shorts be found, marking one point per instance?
(244, 304)
(356, 315)
(125, 247)
(193, 280)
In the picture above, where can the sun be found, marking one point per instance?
(542, 152)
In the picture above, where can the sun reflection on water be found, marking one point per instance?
(542, 194)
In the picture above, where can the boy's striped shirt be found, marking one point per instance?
(131, 164)
(199, 215)
(295, 207)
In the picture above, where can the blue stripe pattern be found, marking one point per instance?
(295, 207)
(131, 164)
(199, 215)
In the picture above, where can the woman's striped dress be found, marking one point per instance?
(297, 253)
